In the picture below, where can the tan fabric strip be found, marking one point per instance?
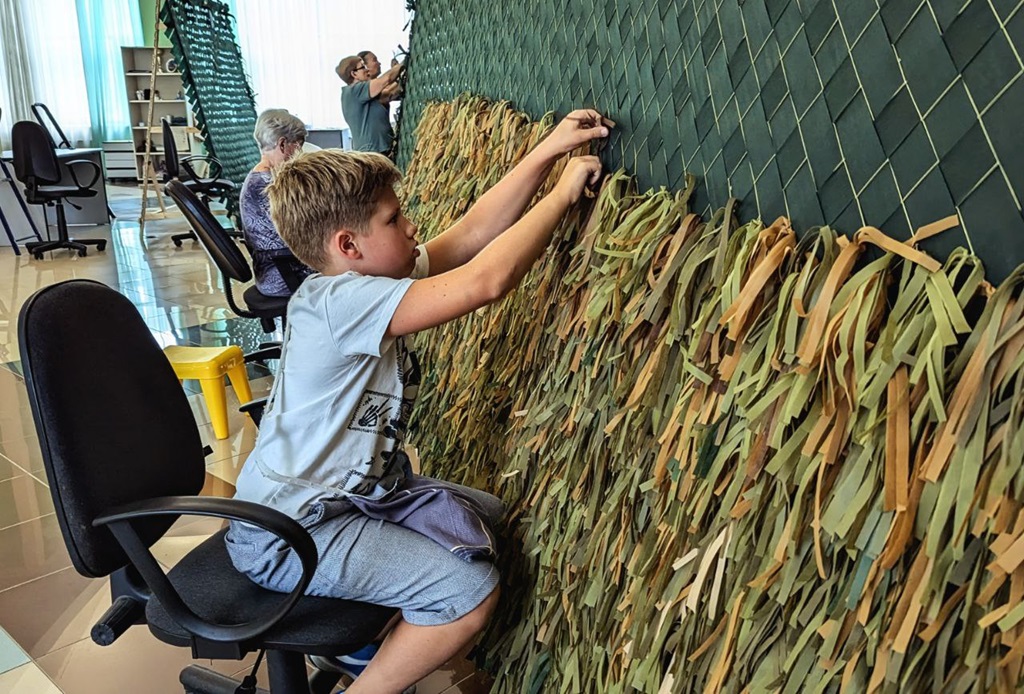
(930, 230)
(819, 313)
(887, 243)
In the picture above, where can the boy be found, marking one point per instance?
(331, 439)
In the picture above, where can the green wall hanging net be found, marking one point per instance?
(736, 458)
(203, 43)
(882, 112)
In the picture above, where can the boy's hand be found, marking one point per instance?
(577, 128)
(579, 172)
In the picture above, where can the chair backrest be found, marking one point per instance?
(170, 150)
(221, 248)
(113, 422)
(34, 156)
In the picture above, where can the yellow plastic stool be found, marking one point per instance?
(209, 365)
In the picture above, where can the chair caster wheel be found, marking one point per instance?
(177, 242)
(101, 246)
(81, 253)
(37, 256)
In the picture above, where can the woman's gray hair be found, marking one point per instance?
(275, 123)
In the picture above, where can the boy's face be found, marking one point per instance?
(389, 245)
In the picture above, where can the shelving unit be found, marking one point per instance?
(171, 102)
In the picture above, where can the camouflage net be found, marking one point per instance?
(735, 458)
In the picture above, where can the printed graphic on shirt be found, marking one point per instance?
(378, 413)
(409, 377)
(358, 480)
(363, 478)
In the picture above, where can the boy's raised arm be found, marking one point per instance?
(503, 204)
(500, 266)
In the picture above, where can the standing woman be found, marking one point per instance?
(280, 136)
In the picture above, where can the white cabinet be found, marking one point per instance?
(119, 160)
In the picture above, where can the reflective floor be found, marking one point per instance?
(46, 607)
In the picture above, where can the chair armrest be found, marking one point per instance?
(215, 166)
(120, 522)
(96, 172)
(255, 410)
(267, 350)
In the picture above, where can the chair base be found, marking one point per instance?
(199, 680)
(178, 238)
(37, 248)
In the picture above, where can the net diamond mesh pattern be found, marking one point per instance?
(891, 113)
(203, 43)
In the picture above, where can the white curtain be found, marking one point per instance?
(15, 88)
(290, 49)
(50, 54)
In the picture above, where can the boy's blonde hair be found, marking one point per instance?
(316, 194)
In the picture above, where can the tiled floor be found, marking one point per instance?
(46, 607)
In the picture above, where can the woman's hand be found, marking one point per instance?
(577, 128)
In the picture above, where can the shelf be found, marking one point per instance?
(165, 97)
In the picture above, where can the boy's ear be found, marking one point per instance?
(346, 244)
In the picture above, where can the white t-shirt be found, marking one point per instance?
(341, 401)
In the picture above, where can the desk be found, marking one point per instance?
(329, 137)
(93, 209)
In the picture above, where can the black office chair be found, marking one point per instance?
(37, 167)
(5, 177)
(226, 255)
(206, 187)
(41, 112)
(124, 460)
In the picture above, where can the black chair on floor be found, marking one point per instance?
(5, 178)
(41, 112)
(226, 255)
(37, 167)
(211, 187)
(124, 460)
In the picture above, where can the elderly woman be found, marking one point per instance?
(280, 135)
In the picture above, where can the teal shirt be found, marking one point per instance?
(367, 118)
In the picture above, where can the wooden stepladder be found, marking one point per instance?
(149, 177)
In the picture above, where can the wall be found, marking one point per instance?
(147, 10)
(892, 113)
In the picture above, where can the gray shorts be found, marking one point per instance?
(372, 561)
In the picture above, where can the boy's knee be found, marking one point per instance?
(480, 616)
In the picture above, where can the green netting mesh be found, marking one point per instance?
(892, 113)
(203, 43)
(734, 460)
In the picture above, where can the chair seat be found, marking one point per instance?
(218, 592)
(263, 305)
(54, 192)
(210, 185)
